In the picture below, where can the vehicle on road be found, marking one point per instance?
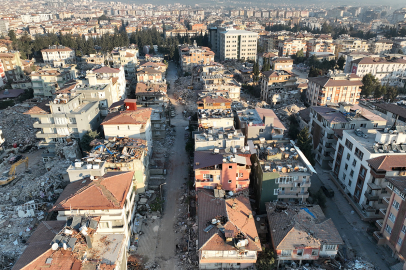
(329, 192)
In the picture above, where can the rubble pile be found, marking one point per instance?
(26, 200)
(16, 126)
(69, 150)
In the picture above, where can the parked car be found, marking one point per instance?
(329, 192)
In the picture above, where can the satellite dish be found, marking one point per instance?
(55, 246)
(227, 150)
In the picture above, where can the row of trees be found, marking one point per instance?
(372, 87)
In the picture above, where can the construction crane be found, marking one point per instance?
(10, 175)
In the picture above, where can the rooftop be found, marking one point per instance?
(387, 163)
(219, 134)
(255, 117)
(130, 117)
(355, 113)
(209, 158)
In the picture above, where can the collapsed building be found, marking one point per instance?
(215, 111)
(148, 94)
(112, 155)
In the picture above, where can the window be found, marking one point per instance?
(363, 125)
(275, 191)
(118, 127)
(207, 176)
(395, 205)
(362, 171)
(230, 167)
(388, 229)
(352, 126)
(229, 181)
(299, 252)
(375, 125)
(348, 144)
(286, 252)
(392, 217)
(352, 173)
(403, 229)
(346, 166)
(315, 252)
(261, 130)
(239, 174)
(358, 153)
(103, 225)
(400, 241)
(344, 176)
(354, 163)
(348, 156)
(329, 247)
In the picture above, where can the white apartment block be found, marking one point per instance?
(238, 44)
(59, 54)
(353, 151)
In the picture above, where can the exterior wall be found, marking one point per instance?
(217, 122)
(235, 45)
(131, 131)
(386, 73)
(320, 96)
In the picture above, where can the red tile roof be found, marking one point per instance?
(387, 163)
(106, 70)
(270, 113)
(107, 192)
(139, 116)
(41, 108)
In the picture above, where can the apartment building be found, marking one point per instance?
(237, 44)
(13, 67)
(4, 26)
(386, 70)
(288, 224)
(101, 93)
(259, 123)
(221, 84)
(148, 94)
(355, 161)
(381, 47)
(318, 45)
(93, 60)
(392, 226)
(219, 138)
(282, 63)
(117, 76)
(126, 57)
(291, 46)
(275, 85)
(58, 55)
(150, 75)
(395, 115)
(66, 116)
(351, 56)
(333, 88)
(215, 112)
(227, 235)
(227, 169)
(132, 123)
(282, 172)
(326, 122)
(3, 78)
(191, 56)
(46, 81)
(345, 43)
(111, 197)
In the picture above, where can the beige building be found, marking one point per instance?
(12, 65)
(334, 88)
(46, 81)
(58, 55)
(291, 46)
(191, 56)
(381, 46)
(126, 57)
(237, 44)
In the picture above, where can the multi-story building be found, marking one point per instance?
(221, 84)
(395, 115)
(126, 57)
(103, 159)
(386, 70)
(111, 197)
(4, 26)
(150, 75)
(227, 169)
(325, 122)
(148, 94)
(291, 46)
(46, 81)
(117, 76)
(191, 56)
(132, 123)
(227, 235)
(392, 226)
(215, 111)
(357, 165)
(219, 138)
(275, 85)
(58, 55)
(282, 172)
(318, 45)
(282, 63)
(334, 88)
(259, 123)
(101, 93)
(345, 43)
(3, 78)
(351, 56)
(381, 47)
(93, 60)
(68, 115)
(12, 65)
(237, 44)
(301, 233)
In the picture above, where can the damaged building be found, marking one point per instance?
(215, 111)
(228, 238)
(278, 85)
(148, 94)
(220, 138)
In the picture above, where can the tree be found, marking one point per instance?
(391, 93)
(304, 142)
(12, 35)
(266, 259)
(314, 72)
(87, 138)
(293, 127)
(370, 82)
(341, 62)
(379, 91)
(255, 70)
(319, 198)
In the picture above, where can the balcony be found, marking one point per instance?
(37, 124)
(374, 186)
(368, 208)
(379, 223)
(379, 237)
(293, 195)
(371, 197)
(386, 200)
(330, 163)
(382, 212)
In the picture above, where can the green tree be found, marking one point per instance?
(12, 35)
(314, 72)
(370, 82)
(391, 93)
(293, 127)
(87, 138)
(255, 70)
(319, 198)
(266, 259)
(341, 62)
(304, 142)
(379, 91)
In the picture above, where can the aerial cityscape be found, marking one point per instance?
(202, 135)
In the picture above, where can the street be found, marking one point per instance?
(158, 245)
(351, 228)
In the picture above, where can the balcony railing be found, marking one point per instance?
(379, 223)
(371, 197)
(382, 211)
(386, 199)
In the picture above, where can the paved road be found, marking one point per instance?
(159, 245)
(351, 228)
